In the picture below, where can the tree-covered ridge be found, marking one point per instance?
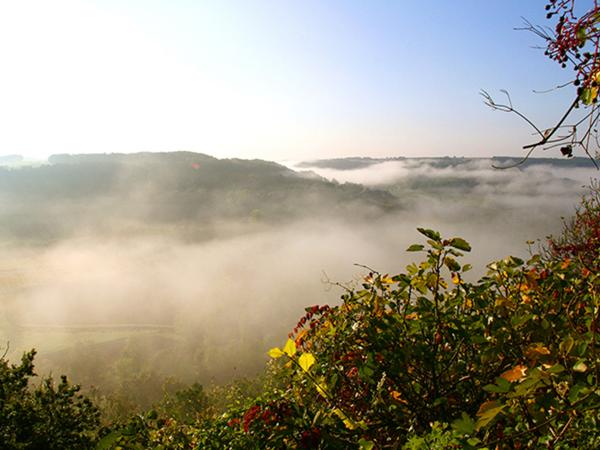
(168, 189)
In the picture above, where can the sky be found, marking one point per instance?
(271, 79)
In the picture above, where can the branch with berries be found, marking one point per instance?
(573, 42)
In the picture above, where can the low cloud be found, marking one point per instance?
(209, 309)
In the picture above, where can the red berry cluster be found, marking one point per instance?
(250, 416)
(576, 41)
(312, 317)
(273, 412)
(310, 438)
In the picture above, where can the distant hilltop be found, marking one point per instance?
(354, 163)
(11, 159)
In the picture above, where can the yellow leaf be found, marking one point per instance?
(306, 360)
(411, 316)
(276, 352)
(387, 280)
(290, 348)
(350, 424)
(517, 373)
(504, 302)
(321, 387)
(456, 278)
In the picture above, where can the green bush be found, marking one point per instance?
(511, 360)
(422, 359)
(47, 416)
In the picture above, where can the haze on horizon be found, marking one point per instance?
(267, 79)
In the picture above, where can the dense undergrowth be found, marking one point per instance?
(419, 360)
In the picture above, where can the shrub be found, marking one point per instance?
(48, 416)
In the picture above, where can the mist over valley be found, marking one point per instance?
(137, 262)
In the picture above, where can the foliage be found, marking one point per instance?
(580, 239)
(509, 360)
(48, 416)
(422, 359)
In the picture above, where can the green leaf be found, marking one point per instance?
(433, 235)
(581, 35)
(415, 248)
(520, 319)
(451, 264)
(467, 267)
(365, 445)
(566, 345)
(556, 368)
(501, 387)
(578, 391)
(306, 360)
(464, 425)
(460, 244)
(290, 348)
(108, 441)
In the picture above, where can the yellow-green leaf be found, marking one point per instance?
(275, 352)
(321, 387)
(487, 412)
(588, 95)
(290, 348)
(306, 360)
(363, 444)
(350, 424)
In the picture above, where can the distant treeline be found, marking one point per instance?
(112, 191)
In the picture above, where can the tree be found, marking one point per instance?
(48, 416)
(573, 42)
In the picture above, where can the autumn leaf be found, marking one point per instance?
(536, 351)
(398, 397)
(300, 337)
(290, 348)
(275, 352)
(456, 278)
(517, 373)
(306, 360)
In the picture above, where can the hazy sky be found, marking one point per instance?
(270, 79)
